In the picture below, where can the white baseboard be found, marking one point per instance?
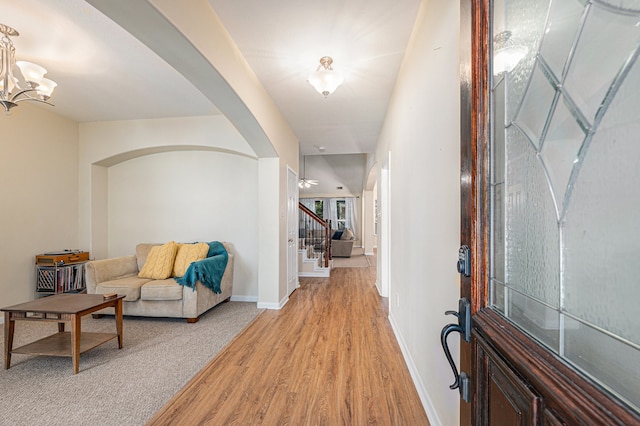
(274, 306)
(432, 415)
(369, 254)
(318, 274)
(244, 298)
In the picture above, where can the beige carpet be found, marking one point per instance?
(114, 387)
(357, 260)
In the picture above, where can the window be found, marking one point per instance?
(341, 214)
(340, 211)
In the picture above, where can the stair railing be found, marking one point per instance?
(315, 232)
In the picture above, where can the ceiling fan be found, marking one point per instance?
(304, 182)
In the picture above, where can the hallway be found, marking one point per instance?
(329, 357)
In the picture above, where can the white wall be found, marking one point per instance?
(368, 222)
(38, 193)
(187, 196)
(421, 131)
(270, 295)
(262, 124)
(182, 179)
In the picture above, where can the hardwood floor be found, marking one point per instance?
(329, 357)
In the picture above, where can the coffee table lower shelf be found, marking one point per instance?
(59, 344)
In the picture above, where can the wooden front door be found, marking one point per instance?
(548, 148)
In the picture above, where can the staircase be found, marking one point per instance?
(314, 245)
(311, 262)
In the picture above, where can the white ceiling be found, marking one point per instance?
(283, 42)
(336, 174)
(104, 73)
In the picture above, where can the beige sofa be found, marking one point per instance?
(342, 243)
(154, 298)
(341, 248)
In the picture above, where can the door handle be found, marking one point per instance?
(461, 381)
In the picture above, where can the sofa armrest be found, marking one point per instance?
(99, 271)
(201, 298)
(226, 285)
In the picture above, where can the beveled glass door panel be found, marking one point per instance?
(538, 102)
(527, 30)
(531, 241)
(562, 144)
(561, 30)
(607, 40)
(565, 183)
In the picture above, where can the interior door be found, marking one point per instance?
(292, 231)
(546, 141)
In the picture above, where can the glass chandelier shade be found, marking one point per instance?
(34, 87)
(325, 79)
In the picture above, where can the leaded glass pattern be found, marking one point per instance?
(531, 239)
(565, 183)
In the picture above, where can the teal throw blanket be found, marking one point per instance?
(208, 271)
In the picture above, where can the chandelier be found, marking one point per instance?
(325, 79)
(34, 86)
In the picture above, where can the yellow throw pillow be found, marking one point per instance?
(159, 264)
(188, 253)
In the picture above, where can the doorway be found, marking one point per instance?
(292, 231)
(384, 259)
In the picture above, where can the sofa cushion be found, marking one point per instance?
(167, 289)
(347, 235)
(129, 287)
(187, 254)
(142, 251)
(159, 263)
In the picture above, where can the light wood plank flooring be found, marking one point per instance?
(329, 357)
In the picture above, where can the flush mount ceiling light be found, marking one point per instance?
(507, 54)
(325, 79)
(34, 88)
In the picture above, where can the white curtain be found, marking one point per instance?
(330, 210)
(351, 221)
(309, 203)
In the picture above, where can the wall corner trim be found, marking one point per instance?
(275, 306)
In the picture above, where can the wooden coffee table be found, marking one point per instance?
(61, 308)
